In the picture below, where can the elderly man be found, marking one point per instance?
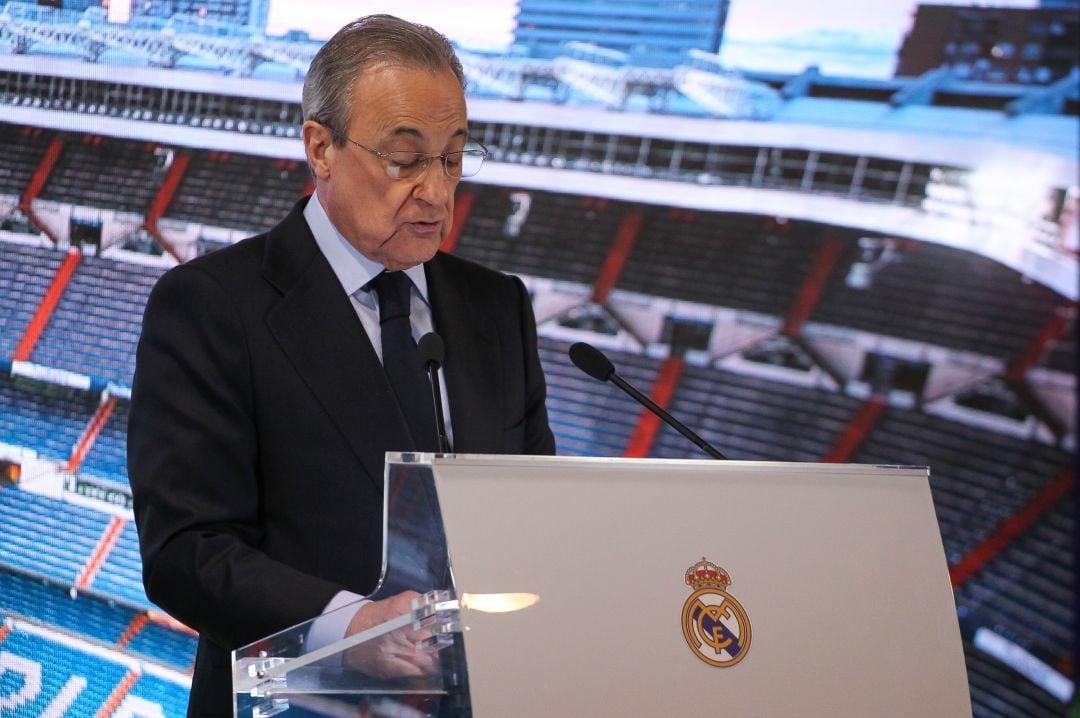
(272, 376)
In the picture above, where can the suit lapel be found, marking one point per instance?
(318, 330)
(472, 365)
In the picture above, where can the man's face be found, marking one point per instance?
(398, 223)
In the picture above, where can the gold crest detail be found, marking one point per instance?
(715, 625)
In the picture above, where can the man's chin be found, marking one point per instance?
(411, 253)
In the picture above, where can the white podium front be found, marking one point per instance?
(697, 588)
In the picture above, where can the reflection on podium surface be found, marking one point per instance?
(285, 674)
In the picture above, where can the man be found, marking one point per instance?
(261, 408)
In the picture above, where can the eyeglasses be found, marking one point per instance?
(410, 165)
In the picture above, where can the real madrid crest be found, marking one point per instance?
(714, 624)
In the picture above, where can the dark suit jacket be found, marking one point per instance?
(259, 418)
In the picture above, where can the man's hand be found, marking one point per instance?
(393, 655)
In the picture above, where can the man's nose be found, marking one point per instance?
(434, 186)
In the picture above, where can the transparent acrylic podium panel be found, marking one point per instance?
(832, 566)
(289, 674)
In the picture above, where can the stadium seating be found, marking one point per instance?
(1026, 595)
(208, 193)
(22, 149)
(60, 664)
(1061, 355)
(942, 296)
(165, 645)
(749, 418)
(77, 678)
(52, 604)
(47, 537)
(739, 261)
(42, 417)
(87, 616)
(107, 458)
(95, 327)
(998, 691)
(558, 236)
(25, 274)
(170, 696)
(587, 417)
(120, 574)
(105, 173)
(978, 478)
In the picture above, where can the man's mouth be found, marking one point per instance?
(423, 227)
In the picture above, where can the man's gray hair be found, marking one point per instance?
(368, 41)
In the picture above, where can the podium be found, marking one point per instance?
(593, 587)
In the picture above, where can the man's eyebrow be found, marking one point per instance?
(417, 134)
(409, 131)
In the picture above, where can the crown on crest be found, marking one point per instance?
(706, 574)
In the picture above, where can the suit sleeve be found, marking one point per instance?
(538, 437)
(193, 465)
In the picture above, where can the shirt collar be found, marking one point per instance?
(352, 268)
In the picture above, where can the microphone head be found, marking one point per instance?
(431, 349)
(592, 361)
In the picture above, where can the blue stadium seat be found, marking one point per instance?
(74, 676)
(53, 604)
(587, 417)
(90, 617)
(60, 665)
(95, 327)
(121, 573)
(107, 458)
(45, 536)
(26, 271)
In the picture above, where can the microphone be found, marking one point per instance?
(431, 351)
(593, 362)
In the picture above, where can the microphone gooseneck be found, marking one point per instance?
(431, 350)
(593, 362)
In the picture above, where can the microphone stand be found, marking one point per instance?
(671, 420)
(593, 362)
(436, 397)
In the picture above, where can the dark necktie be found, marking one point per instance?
(407, 377)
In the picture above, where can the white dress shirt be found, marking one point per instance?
(354, 271)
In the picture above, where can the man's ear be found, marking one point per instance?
(319, 147)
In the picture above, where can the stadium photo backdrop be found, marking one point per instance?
(812, 231)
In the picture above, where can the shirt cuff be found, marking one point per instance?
(333, 622)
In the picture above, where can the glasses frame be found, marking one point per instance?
(423, 157)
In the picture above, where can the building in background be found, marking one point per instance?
(994, 44)
(652, 32)
(248, 13)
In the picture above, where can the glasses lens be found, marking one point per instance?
(406, 165)
(468, 164)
